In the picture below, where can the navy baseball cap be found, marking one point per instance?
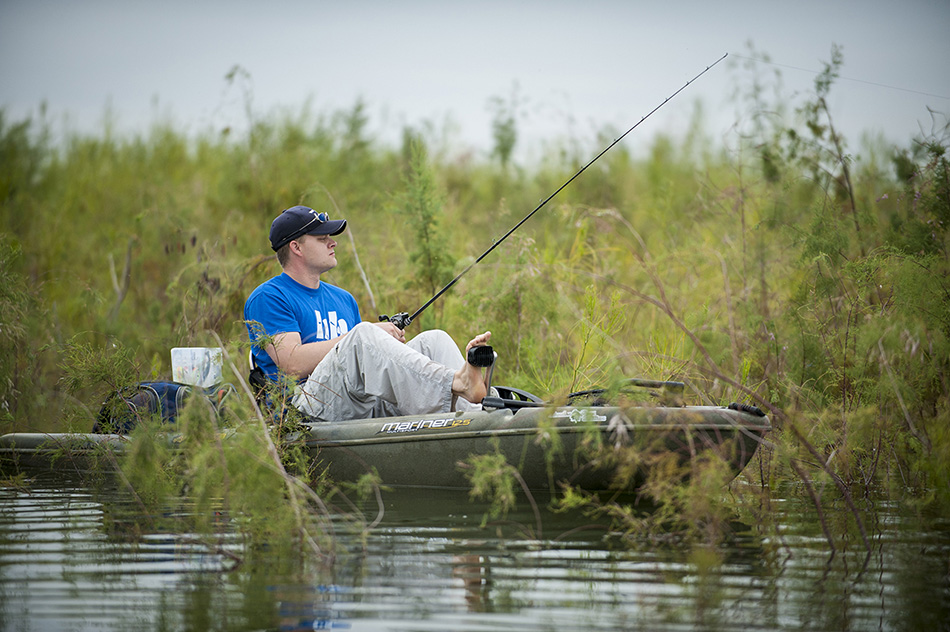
(302, 220)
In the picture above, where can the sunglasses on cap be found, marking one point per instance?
(318, 218)
(302, 220)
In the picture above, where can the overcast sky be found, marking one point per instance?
(577, 67)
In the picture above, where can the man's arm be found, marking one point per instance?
(299, 360)
(295, 358)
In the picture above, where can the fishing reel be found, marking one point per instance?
(400, 320)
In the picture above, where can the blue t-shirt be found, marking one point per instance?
(281, 305)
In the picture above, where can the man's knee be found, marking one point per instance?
(361, 334)
(363, 329)
(439, 346)
(433, 338)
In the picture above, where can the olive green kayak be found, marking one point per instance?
(548, 445)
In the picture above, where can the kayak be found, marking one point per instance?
(432, 450)
(549, 445)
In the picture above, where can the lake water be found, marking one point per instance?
(73, 557)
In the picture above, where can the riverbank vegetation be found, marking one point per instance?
(786, 268)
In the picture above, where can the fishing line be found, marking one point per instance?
(852, 79)
(402, 320)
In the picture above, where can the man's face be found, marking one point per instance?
(319, 252)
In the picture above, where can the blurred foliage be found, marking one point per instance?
(781, 269)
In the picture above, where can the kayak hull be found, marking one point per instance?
(547, 446)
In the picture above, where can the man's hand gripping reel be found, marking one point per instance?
(400, 320)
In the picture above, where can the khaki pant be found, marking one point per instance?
(371, 374)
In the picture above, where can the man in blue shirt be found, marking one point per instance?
(347, 369)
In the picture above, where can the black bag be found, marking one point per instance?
(123, 409)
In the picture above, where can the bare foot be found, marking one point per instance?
(469, 381)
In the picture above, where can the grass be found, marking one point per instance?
(781, 269)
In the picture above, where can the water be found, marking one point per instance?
(76, 555)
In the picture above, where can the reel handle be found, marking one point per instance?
(400, 320)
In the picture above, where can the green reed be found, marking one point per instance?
(781, 269)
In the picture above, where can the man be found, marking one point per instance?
(347, 369)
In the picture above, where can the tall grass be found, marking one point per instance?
(781, 269)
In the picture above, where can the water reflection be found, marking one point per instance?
(77, 555)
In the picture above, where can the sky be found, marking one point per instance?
(575, 69)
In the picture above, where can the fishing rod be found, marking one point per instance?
(403, 319)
